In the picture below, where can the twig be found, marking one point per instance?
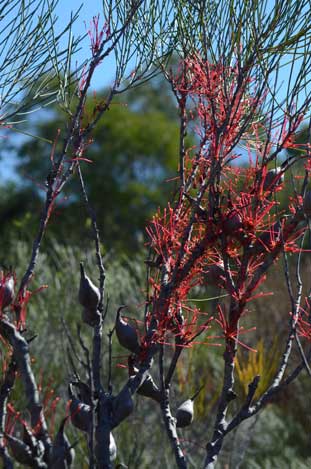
(169, 420)
(109, 381)
(93, 407)
(71, 343)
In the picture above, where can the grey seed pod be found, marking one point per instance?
(122, 406)
(89, 294)
(62, 453)
(90, 317)
(149, 389)
(84, 391)
(112, 448)
(36, 446)
(307, 204)
(127, 335)
(7, 291)
(273, 179)
(80, 413)
(184, 414)
(233, 223)
(20, 451)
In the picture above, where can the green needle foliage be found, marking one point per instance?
(33, 65)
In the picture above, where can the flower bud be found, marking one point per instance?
(184, 415)
(307, 204)
(127, 335)
(89, 294)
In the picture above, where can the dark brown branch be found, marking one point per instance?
(23, 363)
(169, 420)
(5, 390)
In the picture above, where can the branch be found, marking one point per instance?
(23, 363)
(169, 420)
(5, 390)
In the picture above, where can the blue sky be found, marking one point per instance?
(104, 73)
(103, 76)
(89, 9)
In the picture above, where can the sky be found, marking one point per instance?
(89, 9)
(104, 73)
(101, 79)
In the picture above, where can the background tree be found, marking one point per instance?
(125, 154)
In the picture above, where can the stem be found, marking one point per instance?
(227, 394)
(92, 214)
(169, 420)
(23, 362)
(5, 391)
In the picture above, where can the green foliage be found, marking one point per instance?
(135, 150)
(30, 76)
(276, 440)
(264, 362)
(59, 269)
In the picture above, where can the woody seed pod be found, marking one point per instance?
(36, 446)
(80, 413)
(307, 204)
(84, 391)
(184, 414)
(149, 389)
(127, 335)
(6, 291)
(122, 406)
(112, 448)
(90, 317)
(20, 451)
(62, 453)
(233, 223)
(89, 295)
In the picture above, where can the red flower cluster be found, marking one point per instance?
(226, 228)
(304, 320)
(96, 34)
